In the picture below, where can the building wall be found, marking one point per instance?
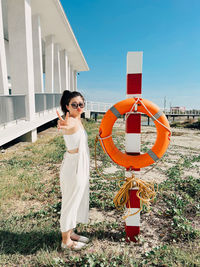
(24, 47)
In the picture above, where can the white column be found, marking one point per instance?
(49, 66)
(37, 54)
(57, 78)
(64, 70)
(75, 80)
(71, 80)
(21, 52)
(3, 65)
(69, 76)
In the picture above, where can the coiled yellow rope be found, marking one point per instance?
(146, 192)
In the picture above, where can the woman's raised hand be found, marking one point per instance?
(63, 124)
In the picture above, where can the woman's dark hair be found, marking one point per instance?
(66, 97)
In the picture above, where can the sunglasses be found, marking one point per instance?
(76, 105)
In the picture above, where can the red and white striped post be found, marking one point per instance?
(132, 137)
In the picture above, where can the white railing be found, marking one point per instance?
(97, 106)
(12, 107)
(103, 107)
(186, 112)
(46, 101)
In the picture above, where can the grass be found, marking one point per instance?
(30, 209)
(187, 124)
(171, 255)
(181, 195)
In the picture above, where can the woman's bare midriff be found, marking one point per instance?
(73, 151)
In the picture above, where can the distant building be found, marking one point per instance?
(177, 109)
(39, 58)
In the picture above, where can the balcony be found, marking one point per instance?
(46, 101)
(12, 108)
(13, 119)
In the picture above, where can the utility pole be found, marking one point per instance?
(170, 106)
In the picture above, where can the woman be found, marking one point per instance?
(74, 171)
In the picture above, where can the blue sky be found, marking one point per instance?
(168, 33)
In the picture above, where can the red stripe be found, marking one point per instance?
(134, 200)
(132, 231)
(133, 153)
(134, 83)
(133, 123)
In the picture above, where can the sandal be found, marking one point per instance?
(82, 239)
(74, 246)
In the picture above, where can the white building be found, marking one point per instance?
(177, 109)
(39, 58)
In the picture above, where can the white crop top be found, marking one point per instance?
(72, 140)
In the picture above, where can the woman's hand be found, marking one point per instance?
(66, 124)
(62, 124)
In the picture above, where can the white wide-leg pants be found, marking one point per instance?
(74, 184)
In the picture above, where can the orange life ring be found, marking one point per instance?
(162, 127)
